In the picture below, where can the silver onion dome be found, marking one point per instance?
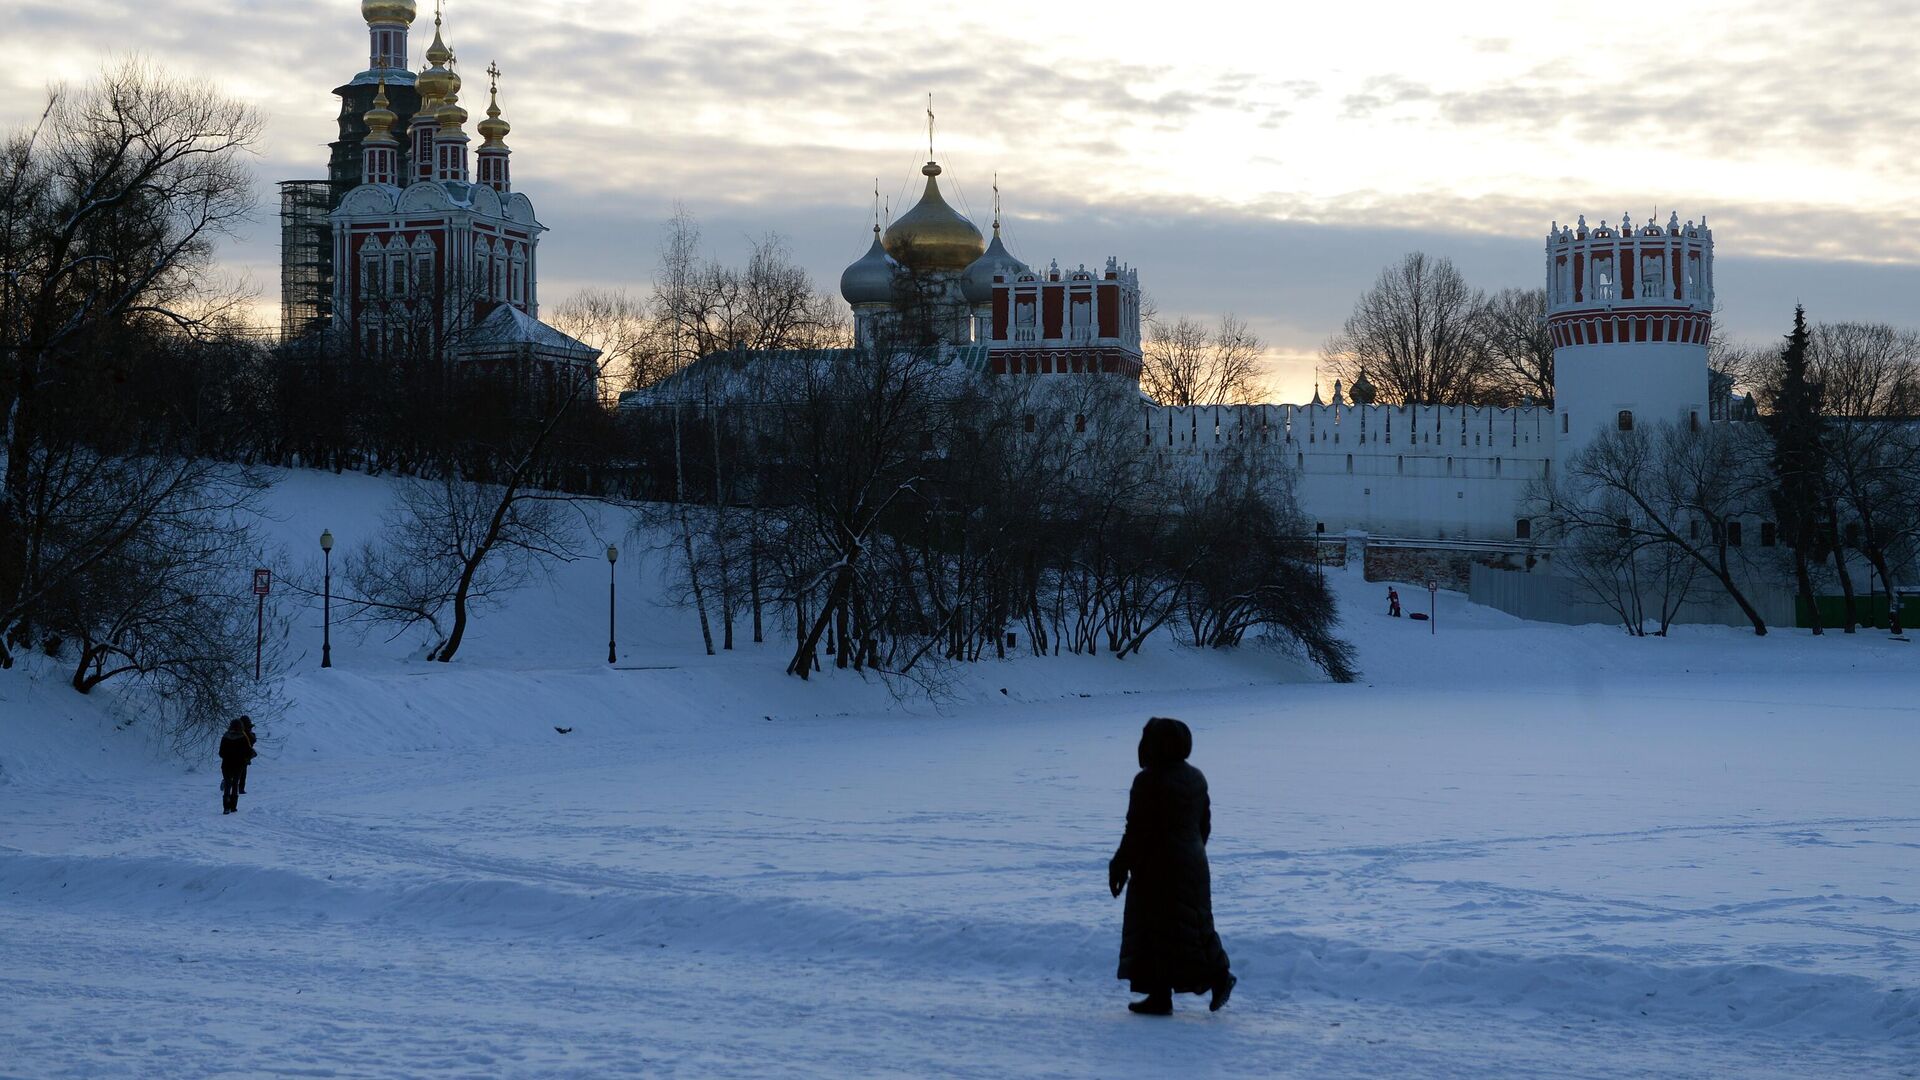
(977, 279)
(870, 279)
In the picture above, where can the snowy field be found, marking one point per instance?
(1512, 851)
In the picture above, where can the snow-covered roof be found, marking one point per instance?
(757, 375)
(508, 329)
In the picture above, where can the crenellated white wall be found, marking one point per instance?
(1423, 470)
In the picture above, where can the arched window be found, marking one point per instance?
(1626, 419)
(1523, 529)
(1563, 423)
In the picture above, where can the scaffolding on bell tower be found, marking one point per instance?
(306, 258)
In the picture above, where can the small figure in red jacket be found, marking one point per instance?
(1393, 601)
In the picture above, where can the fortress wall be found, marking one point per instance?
(1421, 471)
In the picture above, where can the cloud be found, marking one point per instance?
(1270, 174)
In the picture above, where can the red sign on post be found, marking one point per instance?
(262, 582)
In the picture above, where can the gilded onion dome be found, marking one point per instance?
(388, 11)
(977, 280)
(380, 119)
(437, 53)
(933, 236)
(870, 279)
(434, 85)
(493, 128)
(451, 115)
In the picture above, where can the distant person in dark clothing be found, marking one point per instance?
(235, 753)
(252, 742)
(1393, 601)
(1167, 942)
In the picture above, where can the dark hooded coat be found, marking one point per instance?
(1168, 941)
(235, 751)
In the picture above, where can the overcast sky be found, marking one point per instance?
(1262, 158)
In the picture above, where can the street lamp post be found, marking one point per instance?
(613, 556)
(326, 599)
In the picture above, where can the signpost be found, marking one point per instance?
(262, 585)
(1433, 609)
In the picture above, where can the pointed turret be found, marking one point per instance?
(381, 163)
(977, 280)
(493, 155)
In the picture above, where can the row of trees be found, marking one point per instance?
(883, 514)
(1423, 336)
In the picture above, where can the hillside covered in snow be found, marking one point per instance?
(1511, 849)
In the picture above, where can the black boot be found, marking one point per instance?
(1158, 1003)
(1222, 990)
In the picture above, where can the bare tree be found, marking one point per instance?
(1668, 485)
(1417, 335)
(110, 207)
(701, 306)
(615, 322)
(1870, 376)
(451, 546)
(1517, 347)
(1185, 363)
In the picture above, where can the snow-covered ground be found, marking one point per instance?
(1512, 850)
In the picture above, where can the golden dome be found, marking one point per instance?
(437, 53)
(380, 119)
(934, 236)
(388, 11)
(433, 84)
(494, 129)
(452, 114)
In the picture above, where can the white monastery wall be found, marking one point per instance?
(1418, 471)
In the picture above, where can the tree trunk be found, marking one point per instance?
(1726, 582)
(1846, 588)
(1805, 581)
(1878, 560)
(686, 534)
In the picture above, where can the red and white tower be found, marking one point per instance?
(1631, 311)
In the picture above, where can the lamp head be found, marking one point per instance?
(613, 553)
(326, 540)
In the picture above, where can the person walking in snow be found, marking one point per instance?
(1393, 601)
(252, 742)
(1167, 941)
(235, 753)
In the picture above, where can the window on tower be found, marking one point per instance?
(1626, 419)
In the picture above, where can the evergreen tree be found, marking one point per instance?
(1798, 473)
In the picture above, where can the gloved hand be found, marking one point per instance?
(1116, 876)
